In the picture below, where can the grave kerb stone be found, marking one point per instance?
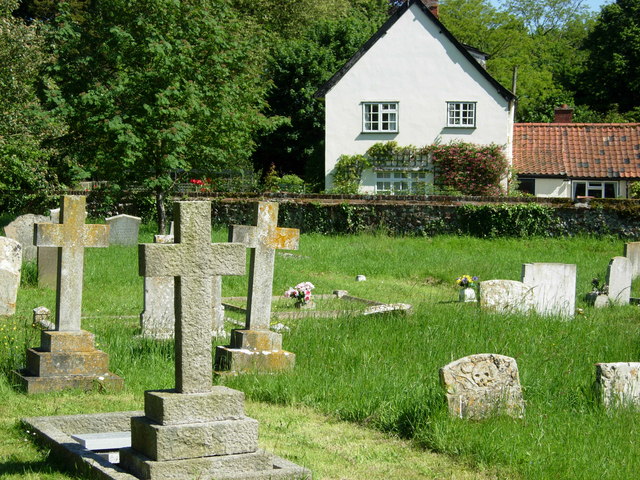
(192, 260)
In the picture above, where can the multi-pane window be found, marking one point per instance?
(461, 114)
(401, 183)
(380, 117)
(595, 189)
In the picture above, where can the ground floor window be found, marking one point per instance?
(401, 183)
(595, 189)
(527, 185)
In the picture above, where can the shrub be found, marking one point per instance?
(522, 220)
(348, 172)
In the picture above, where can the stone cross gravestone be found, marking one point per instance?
(632, 252)
(10, 268)
(553, 286)
(196, 430)
(483, 385)
(619, 276)
(123, 230)
(48, 259)
(618, 384)
(21, 230)
(257, 347)
(67, 357)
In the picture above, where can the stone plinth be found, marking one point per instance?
(254, 350)
(66, 360)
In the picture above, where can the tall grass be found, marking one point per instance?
(382, 371)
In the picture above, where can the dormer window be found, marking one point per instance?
(461, 114)
(380, 117)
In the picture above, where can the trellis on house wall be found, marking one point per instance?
(401, 173)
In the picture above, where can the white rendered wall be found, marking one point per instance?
(417, 66)
(553, 187)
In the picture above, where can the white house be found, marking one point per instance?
(414, 83)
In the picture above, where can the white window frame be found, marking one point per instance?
(591, 186)
(461, 114)
(400, 182)
(380, 117)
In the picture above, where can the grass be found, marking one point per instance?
(378, 373)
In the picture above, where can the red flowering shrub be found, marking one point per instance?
(468, 168)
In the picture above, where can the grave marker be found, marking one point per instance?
(483, 385)
(619, 274)
(553, 286)
(48, 259)
(632, 252)
(257, 347)
(123, 230)
(505, 296)
(67, 357)
(619, 384)
(10, 268)
(21, 230)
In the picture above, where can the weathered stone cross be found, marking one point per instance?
(71, 236)
(263, 240)
(193, 260)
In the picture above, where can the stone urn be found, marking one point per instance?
(467, 294)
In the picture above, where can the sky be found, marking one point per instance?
(595, 5)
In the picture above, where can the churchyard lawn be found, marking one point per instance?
(364, 399)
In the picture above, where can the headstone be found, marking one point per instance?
(48, 259)
(196, 430)
(10, 268)
(67, 357)
(257, 347)
(619, 384)
(505, 296)
(157, 320)
(483, 385)
(553, 286)
(21, 230)
(632, 252)
(619, 276)
(123, 230)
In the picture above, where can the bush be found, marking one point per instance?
(522, 220)
(348, 173)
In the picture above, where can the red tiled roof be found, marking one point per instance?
(577, 150)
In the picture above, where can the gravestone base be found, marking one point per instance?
(254, 351)
(66, 360)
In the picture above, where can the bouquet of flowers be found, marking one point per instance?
(301, 292)
(466, 281)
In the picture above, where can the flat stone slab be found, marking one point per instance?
(55, 433)
(103, 440)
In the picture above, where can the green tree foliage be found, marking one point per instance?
(612, 75)
(25, 174)
(155, 89)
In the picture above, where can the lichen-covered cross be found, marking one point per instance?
(263, 240)
(71, 236)
(193, 260)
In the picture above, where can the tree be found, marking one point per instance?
(153, 90)
(25, 173)
(612, 74)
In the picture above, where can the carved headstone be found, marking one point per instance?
(67, 357)
(483, 385)
(505, 296)
(619, 276)
(10, 268)
(123, 230)
(257, 347)
(21, 230)
(553, 286)
(196, 430)
(48, 259)
(619, 384)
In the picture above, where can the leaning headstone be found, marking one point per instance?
(619, 276)
(256, 347)
(483, 385)
(619, 384)
(48, 259)
(10, 268)
(196, 430)
(123, 230)
(21, 230)
(632, 252)
(505, 296)
(553, 286)
(67, 357)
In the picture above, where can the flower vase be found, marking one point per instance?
(467, 294)
(310, 305)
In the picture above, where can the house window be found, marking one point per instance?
(461, 114)
(401, 183)
(595, 189)
(380, 117)
(527, 185)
